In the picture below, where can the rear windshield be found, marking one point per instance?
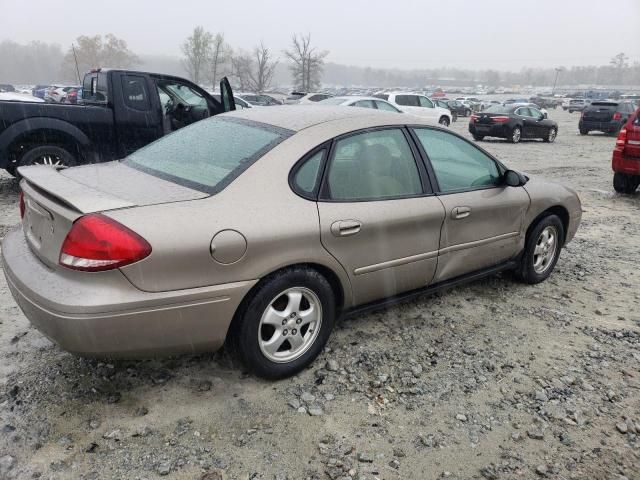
(497, 109)
(208, 155)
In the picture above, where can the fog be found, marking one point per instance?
(406, 34)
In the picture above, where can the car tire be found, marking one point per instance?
(255, 328)
(516, 134)
(584, 131)
(47, 155)
(542, 250)
(11, 170)
(551, 136)
(478, 138)
(467, 112)
(444, 121)
(624, 183)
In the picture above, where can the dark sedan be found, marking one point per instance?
(513, 122)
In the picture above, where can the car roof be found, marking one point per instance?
(357, 98)
(299, 117)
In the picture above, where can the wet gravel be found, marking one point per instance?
(493, 380)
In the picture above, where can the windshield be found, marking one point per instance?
(209, 154)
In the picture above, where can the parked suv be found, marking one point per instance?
(606, 116)
(578, 104)
(626, 156)
(418, 105)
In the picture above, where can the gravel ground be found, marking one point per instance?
(493, 380)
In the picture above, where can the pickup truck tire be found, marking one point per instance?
(624, 183)
(47, 155)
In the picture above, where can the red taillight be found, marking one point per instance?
(473, 118)
(622, 138)
(96, 242)
(617, 116)
(22, 207)
(500, 119)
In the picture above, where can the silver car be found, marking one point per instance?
(261, 227)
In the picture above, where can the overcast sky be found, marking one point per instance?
(500, 34)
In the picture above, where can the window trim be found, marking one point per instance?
(326, 146)
(425, 182)
(431, 171)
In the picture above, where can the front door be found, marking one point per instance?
(378, 217)
(484, 218)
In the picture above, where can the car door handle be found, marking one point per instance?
(460, 212)
(345, 228)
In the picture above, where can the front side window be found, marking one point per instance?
(534, 112)
(458, 164)
(208, 154)
(373, 166)
(425, 102)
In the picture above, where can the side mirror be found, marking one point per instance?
(542, 116)
(514, 179)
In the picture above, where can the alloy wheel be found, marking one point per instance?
(545, 250)
(290, 325)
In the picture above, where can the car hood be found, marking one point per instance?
(106, 186)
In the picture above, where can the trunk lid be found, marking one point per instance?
(54, 199)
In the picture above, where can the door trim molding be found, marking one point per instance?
(395, 263)
(477, 243)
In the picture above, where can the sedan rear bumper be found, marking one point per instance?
(500, 130)
(103, 314)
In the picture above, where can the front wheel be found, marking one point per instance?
(286, 323)
(624, 183)
(478, 138)
(542, 250)
(551, 136)
(516, 134)
(444, 121)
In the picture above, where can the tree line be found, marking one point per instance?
(207, 57)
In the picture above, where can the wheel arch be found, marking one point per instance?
(558, 210)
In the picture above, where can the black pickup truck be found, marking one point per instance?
(120, 111)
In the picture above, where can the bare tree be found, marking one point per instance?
(197, 52)
(93, 52)
(620, 61)
(241, 69)
(307, 63)
(220, 55)
(261, 69)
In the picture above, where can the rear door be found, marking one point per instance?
(483, 217)
(138, 120)
(378, 216)
(528, 126)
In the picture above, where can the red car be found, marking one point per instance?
(626, 156)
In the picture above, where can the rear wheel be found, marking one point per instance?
(551, 136)
(444, 121)
(624, 183)
(583, 131)
(542, 250)
(51, 155)
(478, 138)
(286, 323)
(516, 134)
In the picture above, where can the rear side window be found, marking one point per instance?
(318, 98)
(375, 165)
(407, 100)
(458, 165)
(307, 177)
(135, 92)
(209, 154)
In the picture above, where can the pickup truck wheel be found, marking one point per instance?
(624, 183)
(48, 155)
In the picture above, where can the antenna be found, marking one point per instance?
(76, 60)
